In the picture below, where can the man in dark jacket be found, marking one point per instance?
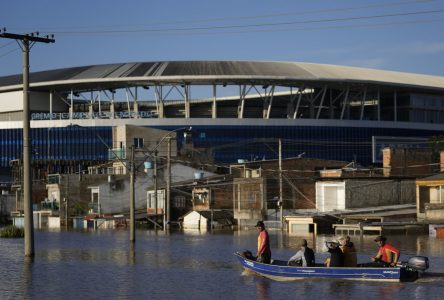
(336, 256)
(304, 257)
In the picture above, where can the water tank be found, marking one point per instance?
(198, 175)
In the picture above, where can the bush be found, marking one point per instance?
(12, 231)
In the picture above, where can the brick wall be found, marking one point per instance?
(408, 162)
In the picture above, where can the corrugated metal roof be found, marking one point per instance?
(439, 176)
(210, 71)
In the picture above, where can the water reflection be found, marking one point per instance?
(132, 254)
(26, 280)
(262, 288)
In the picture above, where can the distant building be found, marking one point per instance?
(208, 219)
(256, 186)
(412, 162)
(430, 198)
(352, 193)
(238, 110)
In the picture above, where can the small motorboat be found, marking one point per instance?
(280, 271)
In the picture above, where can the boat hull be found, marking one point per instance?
(279, 271)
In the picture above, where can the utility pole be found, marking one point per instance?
(281, 206)
(132, 199)
(66, 201)
(155, 187)
(26, 42)
(166, 224)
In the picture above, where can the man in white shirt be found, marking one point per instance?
(304, 257)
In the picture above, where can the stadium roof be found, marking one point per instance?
(218, 72)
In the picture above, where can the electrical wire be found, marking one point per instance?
(9, 52)
(257, 25)
(7, 44)
(248, 17)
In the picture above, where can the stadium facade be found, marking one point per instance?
(237, 109)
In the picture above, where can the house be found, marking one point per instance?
(183, 183)
(301, 225)
(430, 198)
(208, 219)
(249, 200)
(256, 186)
(214, 193)
(352, 193)
(407, 161)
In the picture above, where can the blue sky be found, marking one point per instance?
(392, 34)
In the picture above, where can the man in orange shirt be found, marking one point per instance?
(387, 254)
(263, 244)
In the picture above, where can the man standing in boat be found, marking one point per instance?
(263, 244)
(304, 257)
(387, 254)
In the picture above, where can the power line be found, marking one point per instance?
(7, 44)
(246, 17)
(320, 27)
(9, 52)
(257, 25)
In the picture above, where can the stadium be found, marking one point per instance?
(237, 110)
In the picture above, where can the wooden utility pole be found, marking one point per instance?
(26, 42)
(155, 187)
(166, 224)
(281, 211)
(132, 199)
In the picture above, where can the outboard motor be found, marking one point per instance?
(418, 263)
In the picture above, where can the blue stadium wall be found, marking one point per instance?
(77, 143)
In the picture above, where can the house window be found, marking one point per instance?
(179, 202)
(138, 142)
(151, 203)
(200, 197)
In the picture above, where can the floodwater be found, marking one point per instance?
(190, 265)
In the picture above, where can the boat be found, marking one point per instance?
(280, 271)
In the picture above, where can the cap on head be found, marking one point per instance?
(260, 224)
(380, 238)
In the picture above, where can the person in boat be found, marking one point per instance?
(348, 248)
(304, 257)
(263, 244)
(336, 255)
(387, 255)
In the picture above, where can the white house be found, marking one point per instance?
(202, 219)
(354, 193)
